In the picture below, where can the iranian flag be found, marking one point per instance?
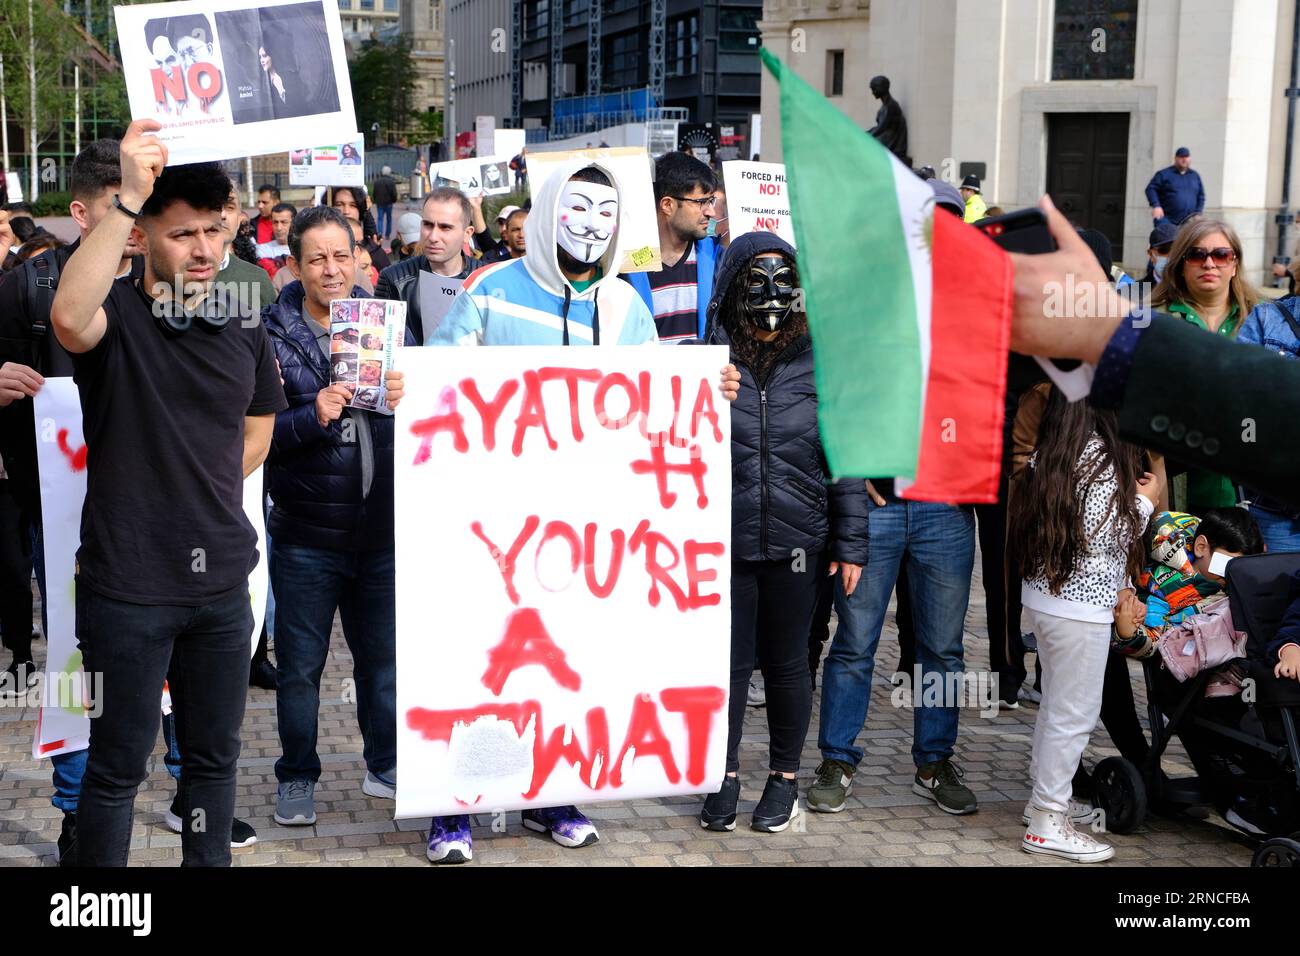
(909, 310)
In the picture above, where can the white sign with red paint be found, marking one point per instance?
(563, 542)
(65, 693)
(758, 198)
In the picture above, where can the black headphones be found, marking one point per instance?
(176, 318)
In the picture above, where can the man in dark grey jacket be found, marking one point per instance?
(446, 226)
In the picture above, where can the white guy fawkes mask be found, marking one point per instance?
(586, 219)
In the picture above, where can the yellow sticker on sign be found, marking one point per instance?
(641, 256)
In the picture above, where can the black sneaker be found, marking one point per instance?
(262, 674)
(241, 834)
(17, 678)
(68, 840)
(719, 811)
(778, 805)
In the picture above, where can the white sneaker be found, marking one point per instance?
(1081, 812)
(1052, 834)
(1029, 695)
(756, 697)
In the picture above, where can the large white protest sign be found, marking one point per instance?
(339, 164)
(488, 175)
(437, 296)
(563, 542)
(758, 198)
(63, 724)
(229, 78)
(509, 142)
(632, 168)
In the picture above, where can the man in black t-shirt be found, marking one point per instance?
(174, 418)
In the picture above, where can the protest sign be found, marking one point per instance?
(485, 135)
(563, 542)
(509, 142)
(339, 164)
(365, 337)
(230, 78)
(758, 199)
(631, 167)
(437, 296)
(63, 725)
(489, 175)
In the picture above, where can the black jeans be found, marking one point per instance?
(819, 631)
(15, 576)
(771, 609)
(203, 654)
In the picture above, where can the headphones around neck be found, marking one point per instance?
(175, 318)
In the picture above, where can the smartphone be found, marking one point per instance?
(1024, 230)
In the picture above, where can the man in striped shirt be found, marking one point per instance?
(679, 294)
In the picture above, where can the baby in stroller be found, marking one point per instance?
(1239, 732)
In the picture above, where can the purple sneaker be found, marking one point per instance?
(566, 825)
(450, 840)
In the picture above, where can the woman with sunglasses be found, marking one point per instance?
(1203, 284)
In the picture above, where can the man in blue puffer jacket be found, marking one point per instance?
(330, 476)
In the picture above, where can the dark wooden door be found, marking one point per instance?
(1087, 164)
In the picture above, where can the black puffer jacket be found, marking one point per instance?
(781, 495)
(313, 473)
(401, 282)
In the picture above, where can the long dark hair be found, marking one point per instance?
(731, 316)
(1046, 528)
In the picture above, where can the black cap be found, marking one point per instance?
(1162, 235)
(1183, 151)
(971, 182)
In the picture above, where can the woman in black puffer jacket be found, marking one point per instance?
(785, 513)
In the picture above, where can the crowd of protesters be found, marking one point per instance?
(1067, 550)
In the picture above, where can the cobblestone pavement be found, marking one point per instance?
(885, 823)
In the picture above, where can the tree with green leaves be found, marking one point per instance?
(39, 47)
(383, 83)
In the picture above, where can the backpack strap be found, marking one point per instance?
(1290, 318)
(42, 282)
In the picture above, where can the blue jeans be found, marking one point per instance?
(1280, 532)
(312, 583)
(939, 543)
(384, 221)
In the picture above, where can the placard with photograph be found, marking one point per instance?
(233, 78)
(365, 338)
(339, 164)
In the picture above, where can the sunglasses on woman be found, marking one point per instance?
(1222, 256)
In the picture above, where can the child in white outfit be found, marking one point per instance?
(1077, 522)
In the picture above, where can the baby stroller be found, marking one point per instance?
(1244, 748)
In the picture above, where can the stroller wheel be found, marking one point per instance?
(1279, 851)
(1121, 795)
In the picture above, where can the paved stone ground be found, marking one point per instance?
(885, 824)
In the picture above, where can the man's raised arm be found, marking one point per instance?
(77, 314)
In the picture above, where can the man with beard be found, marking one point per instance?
(175, 417)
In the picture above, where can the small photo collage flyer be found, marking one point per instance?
(365, 336)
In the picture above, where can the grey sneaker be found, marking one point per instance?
(756, 697)
(295, 805)
(382, 785)
(941, 782)
(1029, 695)
(831, 788)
